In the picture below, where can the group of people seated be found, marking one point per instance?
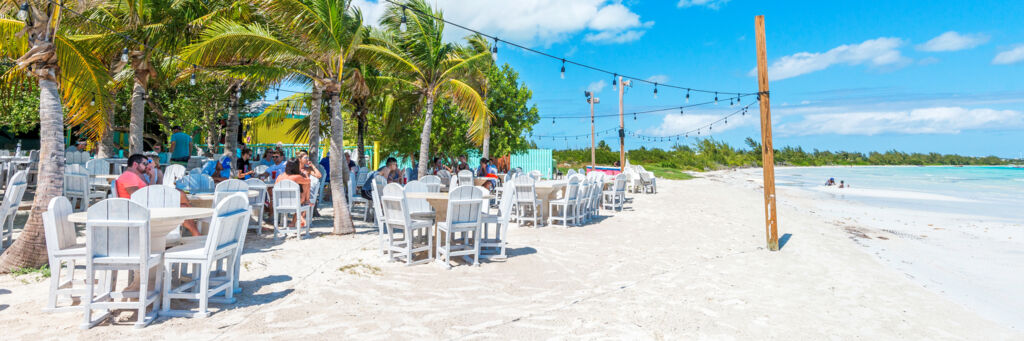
(142, 171)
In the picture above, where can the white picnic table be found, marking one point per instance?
(438, 201)
(548, 190)
(206, 199)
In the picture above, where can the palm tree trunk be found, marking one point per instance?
(212, 134)
(314, 125)
(342, 217)
(106, 146)
(360, 136)
(231, 141)
(138, 118)
(428, 119)
(29, 250)
(486, 149)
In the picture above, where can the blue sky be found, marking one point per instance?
(936, 76)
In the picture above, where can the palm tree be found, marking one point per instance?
(307, 39)
(477, 78)
(72, 81)
(423, 61)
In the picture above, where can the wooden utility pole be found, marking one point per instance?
(767, 150)
(593, 154)
(622, 130)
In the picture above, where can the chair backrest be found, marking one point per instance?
(416, 205)
(465, 178)
(378, 208)
(195, 162)
(570, 172)
(76, 180)
(620, 182)
(645, 176)
(15, 191)
(60, 233)
(229, 222)
(579, 177)
(5, 152)
(572, 189)
(525, 188)
(98, 167)
(117, 228)
(446, 177)
(433, 183)
(536, 175)
(260, 169)
(362, 174)
(260, 187)
(228, 187)
(287, 194)
(464, 206)
(197, 183)
(394, 206)
(33, 156)
(505, 206)
(314, 190)
(157, 196)
(173, 173)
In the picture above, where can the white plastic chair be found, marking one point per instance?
(288, 200)
(500, 221)
(259, 202)
(446, 177)
(173, 173)
(98, 167)
(378, 185)
(355, 198)
(402, 229)
(615, 197)
(465, 178)
(64, 254)
(583, 202)
(564, 209)
(117, 238)
(197, 183)
(418, 208)
(228, 187)
(527, 203)
(464, 217)
(77, 186)
(570, 172)
(13, 195)
(224, 241)
(647, 181)
(433, 183)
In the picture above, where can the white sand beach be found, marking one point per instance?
(686, 263)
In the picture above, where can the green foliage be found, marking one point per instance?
(19, 108)
(513, 119)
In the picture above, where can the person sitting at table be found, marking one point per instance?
(293, 172)
(308, 169)
(390, 173)
(437, 166)
(153, 175)
(245, 170)
(483, 171)
(133, 179)
(77, 147)
(268, 158)
(277, 168)
(219, 170)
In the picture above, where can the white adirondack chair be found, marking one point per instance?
(418, 208)
(582, 209)
(173, 173)
(378, 185)
(564, 209)
(527, 203)
(259, 202)
(288, 200)
(117, 238)
(647, 181)
(198, 183)
(465, 178)
(98, 167)
(224, 241)
(500, 221)
(77, 187)
(64, 254)
(446, 177)
(464, 217)
(355, 198)
(228, 187)
(402, 229)
(615, 197)
(433, 183)
(13, 195)
(570, 172)
(162, 196)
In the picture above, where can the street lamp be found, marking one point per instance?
(593, 154)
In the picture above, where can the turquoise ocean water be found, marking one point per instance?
(996, 192)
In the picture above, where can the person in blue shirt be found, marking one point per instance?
(219, 170)
(181, 145)
(278, 165)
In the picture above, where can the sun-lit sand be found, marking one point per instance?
(685, 263)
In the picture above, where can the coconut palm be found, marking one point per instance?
(309, 39)
(422, 60)
(477, 78)
(71, 81)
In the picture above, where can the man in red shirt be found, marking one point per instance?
(132, 179)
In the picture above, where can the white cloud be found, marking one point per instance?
(661, 79)
(596, 87)
(933, 120)
(1010, 56)
(953, 41)
(681, 124)
(928, 61)
(712, 4)
(875, 52)
(532, 22)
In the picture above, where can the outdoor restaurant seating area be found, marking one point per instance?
(446, 219)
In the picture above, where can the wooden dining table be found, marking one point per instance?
(206, 199)
(438, 201)
(548, 190)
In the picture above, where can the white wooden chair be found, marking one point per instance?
(260, 170)
(446, 177)
(173, 173)
(117, 238)
(433, 183)
(288, 200)
(615, 197)
(464, 217)
(98, 167)
(403, 241)
(465, 178)
(259, 202)
(356, 198)
(564, 209)
(32, 166)
(13, 195)
(161, 196)
(378, 185)
(570, 172)
(647, 181)
(198, 183)
(228, 187)
(77, 186)
(527, 203)
(64, 255)
(500, 221)
(223, 243)
(582, 209)
(418, 208)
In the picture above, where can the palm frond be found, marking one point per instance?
(226, 41)
(83, 80)
(471, 104)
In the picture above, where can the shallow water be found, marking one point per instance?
(996, 192)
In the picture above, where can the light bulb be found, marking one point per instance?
(124, 55)
(402, 26)
(92, 102)
(192, 80)
(655, 90)
(563, 69)
(494, 51)
(716, 98)
(687, 95)
(23, 12)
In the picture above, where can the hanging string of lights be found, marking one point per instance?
(682, 108)
(597, 133)
(708, 128)
(563, 60)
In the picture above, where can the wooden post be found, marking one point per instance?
(593, 153)
(622, 131)
(767, 151)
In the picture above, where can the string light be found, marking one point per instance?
(402, 26)
(614, 81)
(494, 50)
(92, 102)
(716, 98)
(124, 55)
(563, 69)
(687, 95)
(23, 12)
(655, 90)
